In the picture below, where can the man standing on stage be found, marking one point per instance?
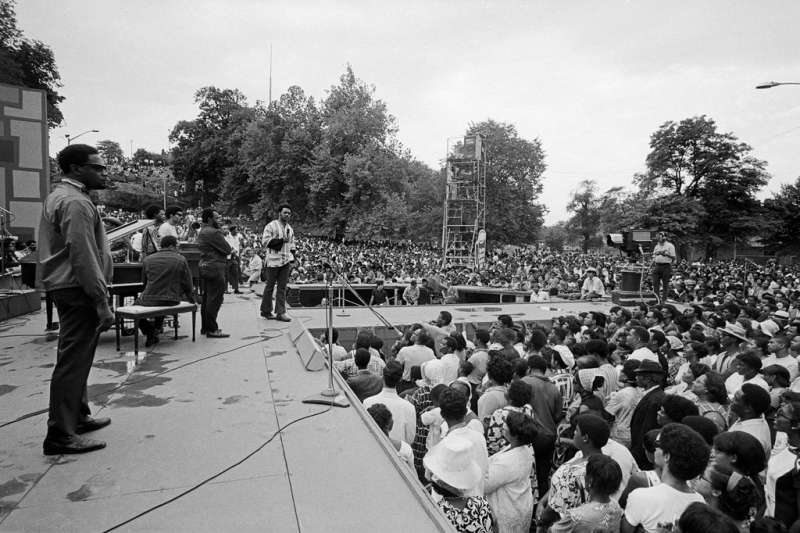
(663, 257)
(214, 251)
(75, 266)
(278, 237)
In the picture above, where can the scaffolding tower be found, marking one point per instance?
(463, 227)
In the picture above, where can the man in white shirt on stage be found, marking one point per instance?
(173, 216)
(278, 237)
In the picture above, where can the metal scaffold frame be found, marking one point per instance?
(465, 202)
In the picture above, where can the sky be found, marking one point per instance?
(592, 80)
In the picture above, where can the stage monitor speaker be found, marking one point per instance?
(308, 350)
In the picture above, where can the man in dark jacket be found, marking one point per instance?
(167, 278)
(75, 266)
(214, 251)
(650, 378)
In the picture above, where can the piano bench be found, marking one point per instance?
(141, 312)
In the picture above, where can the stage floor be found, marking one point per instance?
(190, 411)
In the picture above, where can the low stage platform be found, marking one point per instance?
(190, 411)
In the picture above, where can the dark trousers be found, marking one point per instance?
(233, 272)
(662, 272)
(77, 341)
(212, 276)
(276, 276)
(544, 446)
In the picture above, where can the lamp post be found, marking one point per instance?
(71, 138)
(771, 84)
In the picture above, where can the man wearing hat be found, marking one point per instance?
(649, 378)
(592, 286)
(731, 336)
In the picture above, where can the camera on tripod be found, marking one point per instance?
(632, 243)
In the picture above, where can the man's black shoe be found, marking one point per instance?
(217, 334)
(92, 424)
(237, 292)
(268, 316)
(283, 318)
(71, 445)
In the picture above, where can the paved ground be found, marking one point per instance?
(185, 413)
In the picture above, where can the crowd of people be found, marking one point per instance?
(645, 419)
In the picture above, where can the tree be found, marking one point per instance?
(783, 212)
(513, 183)
(693, 160)
(202, 149)
(556, 236)
(585, 204)
(28, 62)
(111, 152)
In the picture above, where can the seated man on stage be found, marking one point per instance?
(592, 286)
(167, 278)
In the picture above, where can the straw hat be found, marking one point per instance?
(734, 330)
(451, 461)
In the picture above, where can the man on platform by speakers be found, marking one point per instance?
(279, 239)
(75, 266)
(663, 257)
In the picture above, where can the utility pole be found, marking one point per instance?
(270, 75)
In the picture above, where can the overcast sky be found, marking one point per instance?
(591, 79)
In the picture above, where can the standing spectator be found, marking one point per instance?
(278, 236)
(749, 404)
(385, 420)
(173, 217)
(712, 398)
(783, 477)
(403, 414)
(150, 238)
(568, 484)
(454, 475)
(364, 383)
(649, 377)
(663, 257)
(495, 395)
(213, 253)
(682, 455)
(545, 399)
(233, 269)
(601, 514)
(508, 482)
(622, 403)
(75, 263)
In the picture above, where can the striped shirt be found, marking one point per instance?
(277, 230)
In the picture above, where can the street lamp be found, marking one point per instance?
(70, 138)
(771, 84)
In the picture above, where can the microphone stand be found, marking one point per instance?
(329, 396)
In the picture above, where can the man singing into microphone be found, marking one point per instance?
(663, 257)
(279, 239)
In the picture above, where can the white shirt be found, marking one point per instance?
(403, 414)
(593, 284)
(660, 504)
(508, 488)
(643, 354)
(167, 229)
(451, 364)
(668, 248)
(788, 362)
(624, 459)
(413, 355)
(736, 380)
(758, 428)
